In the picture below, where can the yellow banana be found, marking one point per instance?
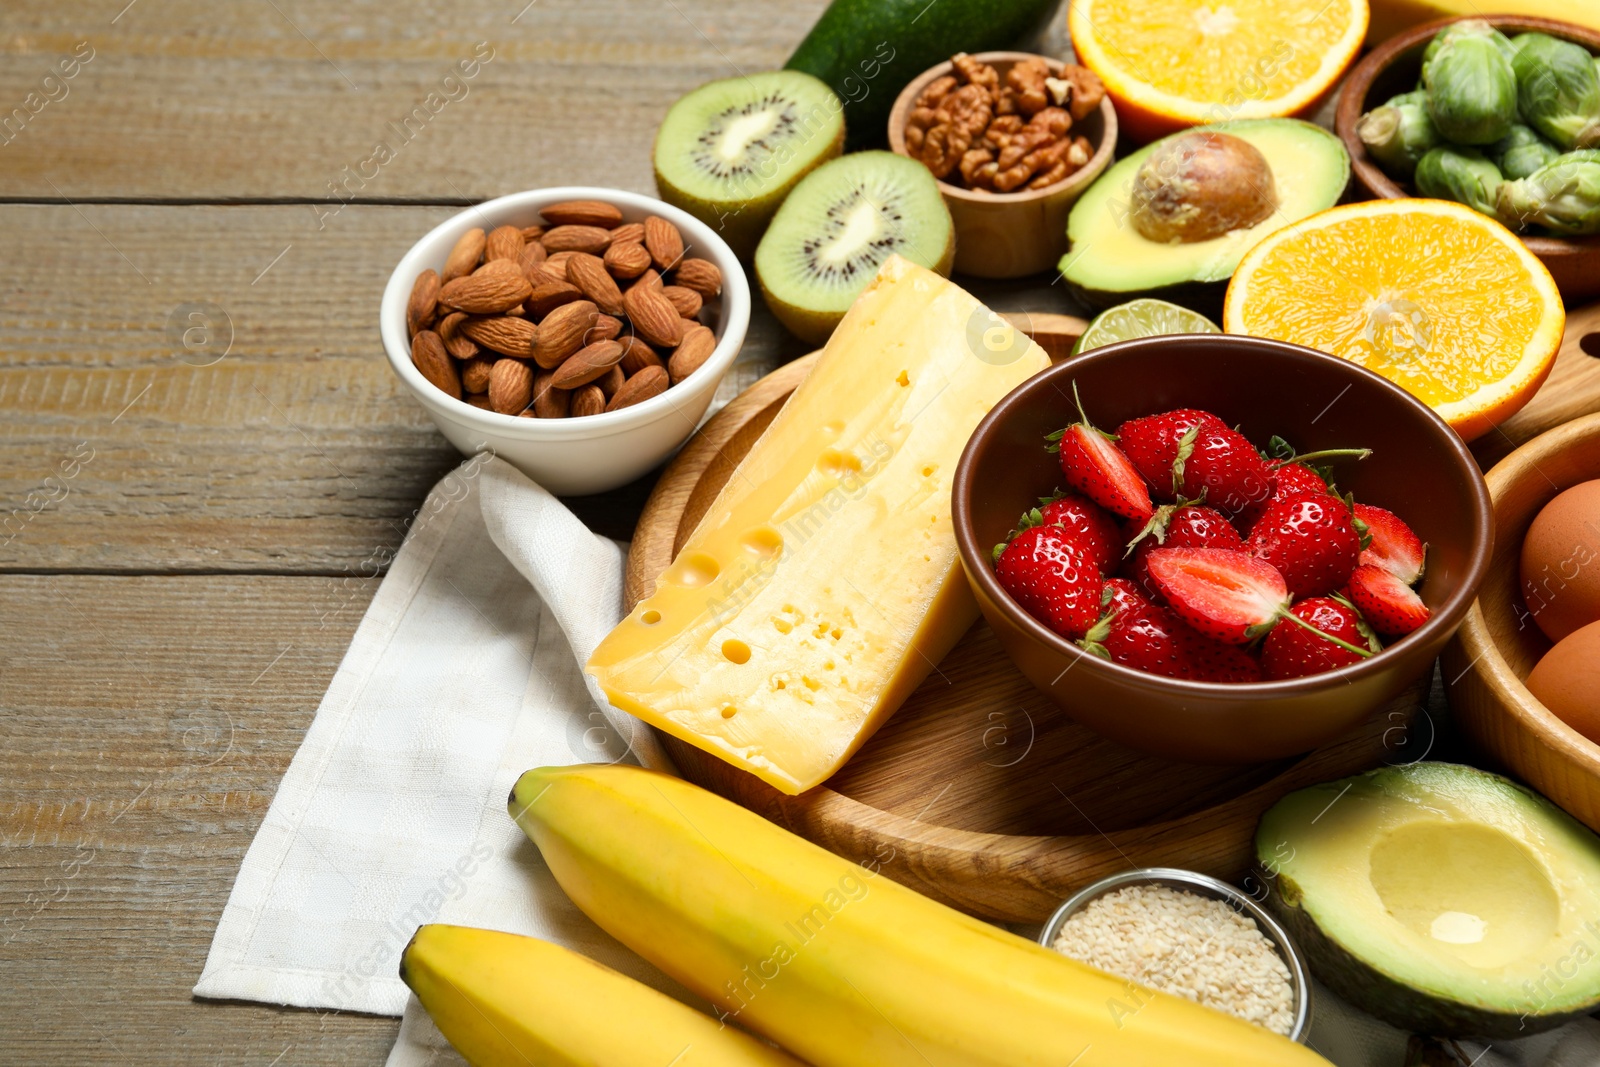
(510, 1001)
(831, 959)
(1389, 17)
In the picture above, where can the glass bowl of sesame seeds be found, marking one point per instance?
(1189, 935)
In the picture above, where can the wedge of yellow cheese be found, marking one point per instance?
(823, 584)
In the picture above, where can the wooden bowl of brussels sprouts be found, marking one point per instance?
(1501, 113)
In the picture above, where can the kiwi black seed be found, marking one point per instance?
(838, 227)
(731, 150)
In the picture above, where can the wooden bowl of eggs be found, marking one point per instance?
(1544, 576)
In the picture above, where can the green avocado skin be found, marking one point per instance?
(1394, 1002)
(868, 50)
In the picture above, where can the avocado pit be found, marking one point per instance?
(1201, 185)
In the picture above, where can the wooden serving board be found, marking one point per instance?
(979, 791)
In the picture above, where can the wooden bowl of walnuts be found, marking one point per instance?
(1014, 140)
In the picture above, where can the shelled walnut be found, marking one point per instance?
(974, 128)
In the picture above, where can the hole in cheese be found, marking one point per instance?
(763, 541)
(651, 617)
(735, 650)
(837, 463)
(693, 570)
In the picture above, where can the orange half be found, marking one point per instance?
(1432, 295)
(1168, 64)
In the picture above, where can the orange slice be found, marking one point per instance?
(1430, 294)
(1168, 64)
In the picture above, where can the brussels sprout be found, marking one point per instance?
(1469, 28)
(1472, 92)
(1558, 90)
(1399, 133)
(1464, 175)
(1521, 152)
(1563, 196)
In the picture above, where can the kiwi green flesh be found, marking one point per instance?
(837, 228)
(731, 150)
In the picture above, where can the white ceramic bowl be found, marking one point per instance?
(571, 457)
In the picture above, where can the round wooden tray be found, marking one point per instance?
(979, 791)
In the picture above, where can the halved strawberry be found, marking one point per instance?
(1096, 467)
(1093, 525)
(1151, 444)
(1394, 546)
(1151, 638)
(1055, 578)
(1392, 607)
(1184, 526)
(1224, 593)
(1223, 465)
(1295, 651)
(1312, 541)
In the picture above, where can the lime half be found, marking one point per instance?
(1141, 318)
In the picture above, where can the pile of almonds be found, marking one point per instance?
(535, 320)
(974, 128)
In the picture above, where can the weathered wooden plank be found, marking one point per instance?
(275, 100)
(296, 450)
(146, 724)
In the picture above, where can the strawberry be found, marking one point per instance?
(1292, 479)
(1093, 526)
(1148, 637)
(1054, 576)
(1393, 546)
(1311, 539)
(1223, 593)
(1222, 464)
(1294, 651)
(1184, 526)
(1096, 467)
(1392, 607)
(1151, 443)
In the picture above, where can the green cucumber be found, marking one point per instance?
(868, 50)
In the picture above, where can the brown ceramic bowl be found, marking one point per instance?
(1498, 645)
(1419, 469)
(1395, 67)
(1011, 235)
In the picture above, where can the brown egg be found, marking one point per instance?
(1561, 562)
(1567, 681)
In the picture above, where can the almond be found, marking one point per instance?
(685, 300)
(531, 234)
(464, 257)
(697, 344)
(650, 280)
(652, 381)
(480, 401)
(430, 358)
(487, 292)
(587, 364)
(627, 260)
(636, 356)
(589, 274)
(549, 295)
(611, 382)
(562, 331)
(605, 328)
(533, 255)
(424, 302)
(557, 264)
(701, 275)
(582, 213)
(510, 386)
(475, 373)
(504, 242)
(663, 241)
(591, 239)
(508, 336)
(548, 401)
(652, 315)
(630, 233)
(588, 400)
(459, 346)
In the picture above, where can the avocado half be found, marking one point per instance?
(1440, 898)
(1108, 261)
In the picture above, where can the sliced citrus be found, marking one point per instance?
(1174, 63)
(1144, 317)
(1430, 294)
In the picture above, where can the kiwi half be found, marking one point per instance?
(836, 229)
(729, 152)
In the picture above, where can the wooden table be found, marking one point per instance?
(208, 462)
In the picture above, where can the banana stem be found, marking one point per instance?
(1297, 620)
